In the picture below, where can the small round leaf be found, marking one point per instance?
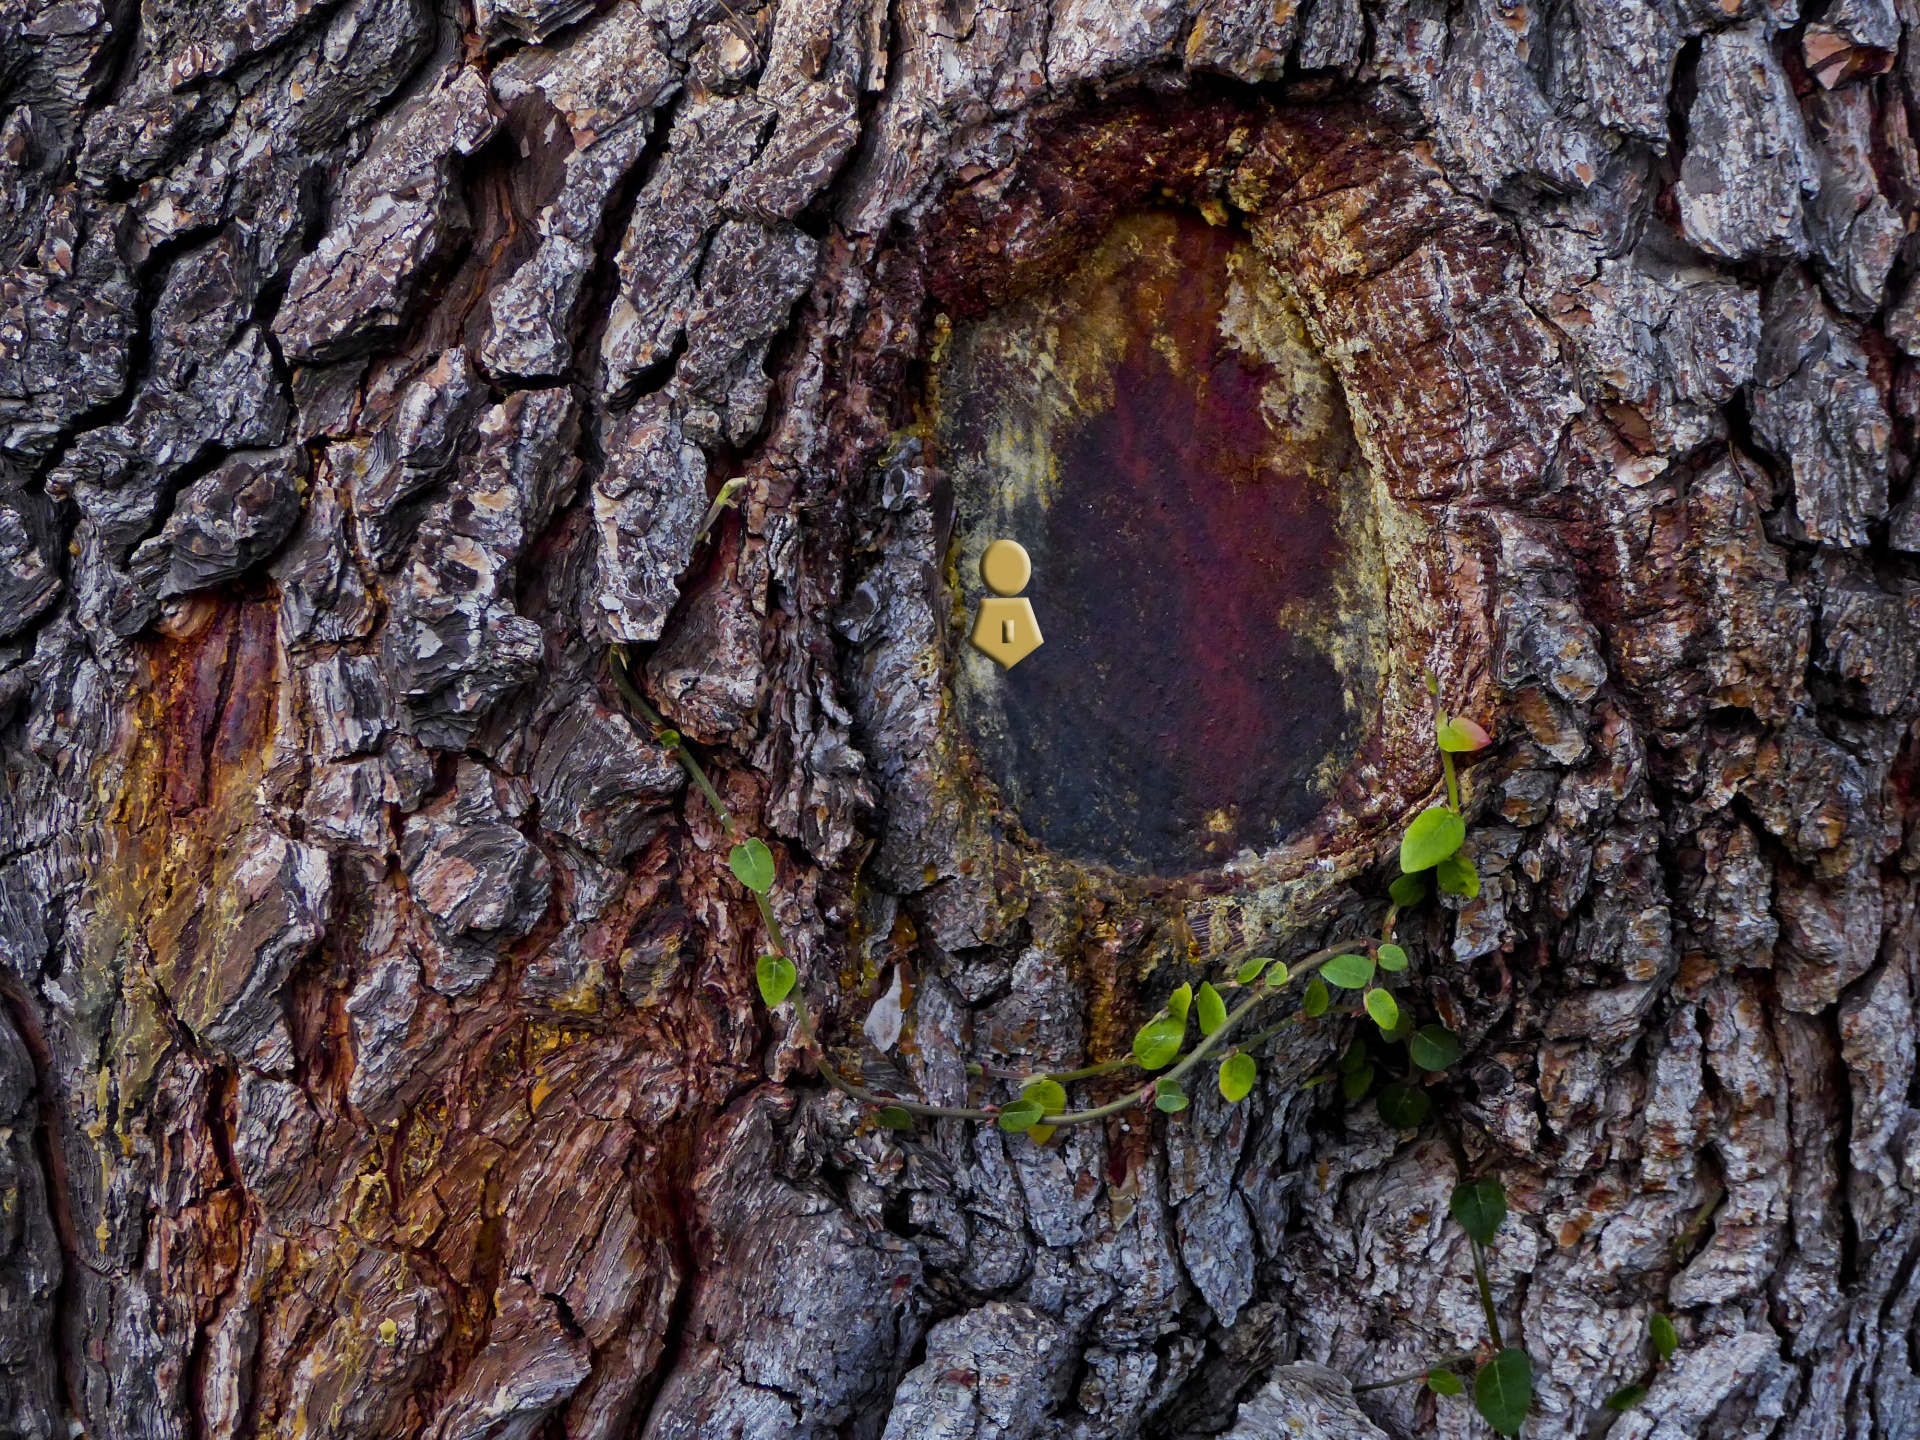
(1049, 1095)
(1503, 1390)
(1352, 1058)
(1462, 736)
(1408, 890)
(1019, 1116)
(1626, 1397)
(1250, 972)
(1481, 1208)
(1158, 1041)
(1278, 974)
(776, 976)
(669, 738)
(1434, 1047)
(1349, 972)
(1444, 1382)
(1666, 1339)
(1404, 1107)
(1384, 1009)
(1314, 1003)
(1237, 1074)
(1435, 833)
(1180, 1001)
(894, 1118)
(1213, 1010)
(752, 864)
(1355, 1084)
(1392, 957)
(1168, 1096)
(1457, 875)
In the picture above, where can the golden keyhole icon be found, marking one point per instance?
(1007, 630)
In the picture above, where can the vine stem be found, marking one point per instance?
(1486, 1292)
(1444, 1362)
(1136, 1095)
(671, 738)
(1440, 718)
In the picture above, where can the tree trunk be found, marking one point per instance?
(382, 1053)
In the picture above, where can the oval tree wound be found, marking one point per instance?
(1157, 431)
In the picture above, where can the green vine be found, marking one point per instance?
(1430, 856)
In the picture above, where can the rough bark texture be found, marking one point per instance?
(380, 1054)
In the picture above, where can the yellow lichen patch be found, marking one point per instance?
(423, 1134)
(587, 995)
(369, 1201)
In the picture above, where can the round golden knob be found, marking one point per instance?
(1005, 567)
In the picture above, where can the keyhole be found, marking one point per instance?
(1006, 632)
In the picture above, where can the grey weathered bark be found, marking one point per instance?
(381, 1055)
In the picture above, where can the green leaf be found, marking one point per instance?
(1462, 736)
(1392, 957)
(1435, 833)
(1314, 1003)
(1180, 1002)
(1278, 974)
(1040, 1134)
(1457, 875)
(1349, 972)
(1480, 1207)
(1503, 1390)
(1021, 1115)
(1049, 1095)
(752, 863)
(1401, 1030)
(1444, 1382)
(1158, 1041)
(1250, 972)
(1355, 1084)
(1407, 891)
(669, 738)
(776, 976)
(894, 1118)
(1237, 1074)
(1666, 1339)
(1404, 1107)
(1384, 1009)
(1168, 1096)
(1352, 1058)
(1434, 1047)
(1213, 1010)
(1626, 1397)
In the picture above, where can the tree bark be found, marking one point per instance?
(381, 1053)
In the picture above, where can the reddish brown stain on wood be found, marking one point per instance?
(207, 699)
